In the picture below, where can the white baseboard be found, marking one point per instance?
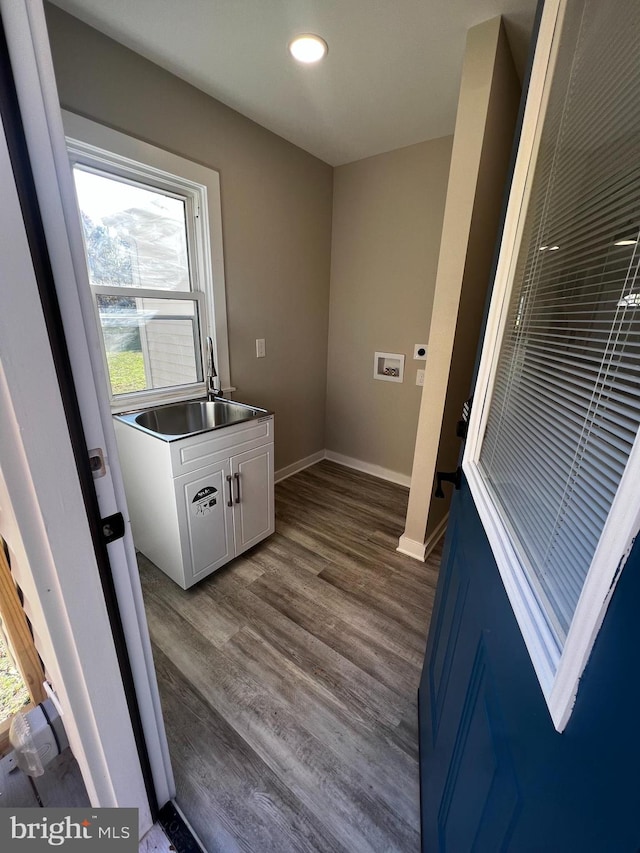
(348, 462)
(300, 465)
(368, 468)
(411, 548)
(421, 550)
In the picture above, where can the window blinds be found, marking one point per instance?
(565, 406)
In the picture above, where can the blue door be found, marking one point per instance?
(496, 774)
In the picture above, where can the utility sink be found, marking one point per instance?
(182, 419)
(198, 477)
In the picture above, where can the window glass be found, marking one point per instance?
(149, 343)
(134, 236)
(565, 405)
(137, 248)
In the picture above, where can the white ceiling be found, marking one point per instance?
(390, 79)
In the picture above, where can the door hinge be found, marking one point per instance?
(112, 528)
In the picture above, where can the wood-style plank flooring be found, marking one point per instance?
(288, 678)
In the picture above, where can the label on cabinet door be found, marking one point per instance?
(204, 501)
(209, 526)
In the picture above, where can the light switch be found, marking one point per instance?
(261, 350)
(419, 377)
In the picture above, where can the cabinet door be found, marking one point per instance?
(253, 515)
(206, 526)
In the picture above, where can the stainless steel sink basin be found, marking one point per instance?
(183, 419)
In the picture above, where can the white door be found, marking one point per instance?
(32, 68)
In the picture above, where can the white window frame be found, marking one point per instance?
(101, 149)
(558, 671)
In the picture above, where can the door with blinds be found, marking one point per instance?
(529, 695)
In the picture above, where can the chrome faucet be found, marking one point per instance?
(213, 380)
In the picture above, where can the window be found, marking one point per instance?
(554, 451)
(154, 261)
(137, 246)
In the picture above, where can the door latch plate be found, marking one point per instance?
(96, 463)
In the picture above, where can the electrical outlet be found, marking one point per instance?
(261, 350)
(419, 352)
(419, 377)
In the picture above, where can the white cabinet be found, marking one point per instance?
(197, 502)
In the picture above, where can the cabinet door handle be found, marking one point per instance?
(237, 479)
(230, 501)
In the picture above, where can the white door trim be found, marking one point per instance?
(30, 56)
(44, 516)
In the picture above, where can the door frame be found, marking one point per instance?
(38, 103)
(44, 521)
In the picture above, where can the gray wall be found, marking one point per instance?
(280, 251)
(387, 221)
(276, 209)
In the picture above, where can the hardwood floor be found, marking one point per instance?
(288, 679)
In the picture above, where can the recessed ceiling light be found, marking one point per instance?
(307, 48)
(553, 248)
(625, 242)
